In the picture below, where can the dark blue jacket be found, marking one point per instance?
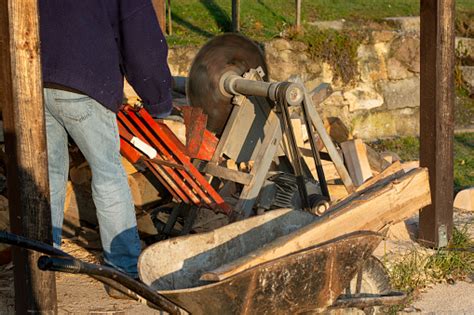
(89, 45)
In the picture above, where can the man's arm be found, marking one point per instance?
(144, 56)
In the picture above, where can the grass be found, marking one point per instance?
(463, 160)
(408, 149)
(416, 270)
(196, 21)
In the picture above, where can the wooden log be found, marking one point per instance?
(21, 93)
(321, 93)
(465, 199)
(387, 202)
(143, 192)
(395, 168)
(355, 155)
(337, 130)
(437, 117)
(337, 192)
(376, 161)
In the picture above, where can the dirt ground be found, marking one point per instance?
(82, 295)
(77, 294)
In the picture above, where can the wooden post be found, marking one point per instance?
(235, 15)
(298, 15)
(160, 9)
(170, 22)
(21, 93)
(436, 117)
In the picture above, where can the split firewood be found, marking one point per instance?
(81, 174)
(408, 166)
(129, 167)
(355, 156)
(390, 157)
(231, 164)
(178, 128)
(143, 192)
(128, 90)
(337, 130)
(395, 168)
(465, 199)
(321, 93)
(376, 161)
(246, 167)
(337, 192)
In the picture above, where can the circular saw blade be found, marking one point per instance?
(224, 53)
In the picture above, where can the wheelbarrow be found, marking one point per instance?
(309, 280)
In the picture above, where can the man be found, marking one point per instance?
(87, 47)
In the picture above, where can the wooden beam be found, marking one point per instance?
(21, 93)
(436, 117)
(235, 15)
(389, 201)
(160, 10)
(298, 15)
(170, 20)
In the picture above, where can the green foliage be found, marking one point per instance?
(463, 160)
(196, 21)
(406, 275)
(408, 149)
(415, 270)
(339, 49)
(454, 263)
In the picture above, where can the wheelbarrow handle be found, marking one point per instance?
(23, 242)
(72, 265)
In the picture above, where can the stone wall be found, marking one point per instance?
(382, 101)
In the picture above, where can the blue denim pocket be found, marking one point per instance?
(75, 107)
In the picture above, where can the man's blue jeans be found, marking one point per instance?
(94, 129)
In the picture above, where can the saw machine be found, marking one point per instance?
(237, 115)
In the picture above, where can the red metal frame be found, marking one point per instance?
(187, 185)
(200, 142)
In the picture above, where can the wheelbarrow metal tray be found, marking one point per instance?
(178, 263)
(309, 280)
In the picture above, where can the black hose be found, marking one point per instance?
(71, 265)
(118, 283)
(23, 242)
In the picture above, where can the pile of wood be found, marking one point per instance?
(362, 161)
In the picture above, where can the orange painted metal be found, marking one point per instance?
(187, 184)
